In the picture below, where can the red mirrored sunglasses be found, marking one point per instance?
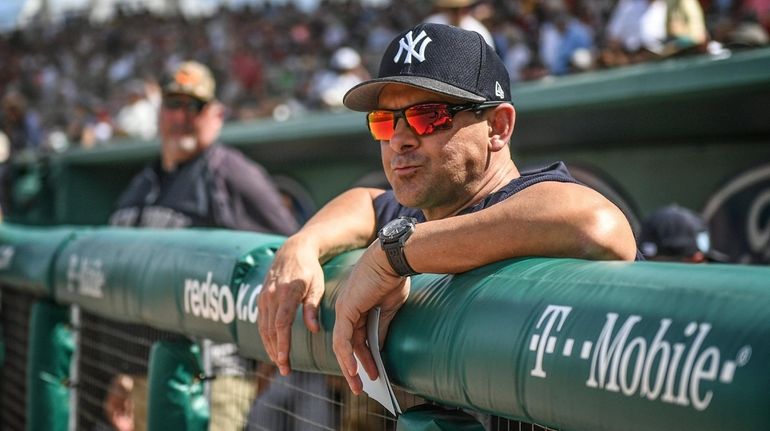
(422, 119)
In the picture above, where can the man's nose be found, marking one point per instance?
(179, 116)
(403, 138)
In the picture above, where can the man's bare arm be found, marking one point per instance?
(547, 219)
(296, 277)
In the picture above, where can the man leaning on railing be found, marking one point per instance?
(441, 111)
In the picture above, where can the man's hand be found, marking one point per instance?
(294, 278)
(118, 403)
(371, 283)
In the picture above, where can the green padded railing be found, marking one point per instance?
(571, 344)
(180, 281)
(27, 255)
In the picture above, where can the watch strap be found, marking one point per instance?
(397, 259)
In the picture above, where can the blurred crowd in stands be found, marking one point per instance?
(77, 84)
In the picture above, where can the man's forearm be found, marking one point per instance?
(345, 223)
(296, 277)
(581, 225)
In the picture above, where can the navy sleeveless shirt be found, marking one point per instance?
(387, 207)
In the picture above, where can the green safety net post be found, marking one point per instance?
(176, 399)
(427, 417)
(51, 345)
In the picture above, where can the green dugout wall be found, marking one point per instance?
(571, 344)
(692, 130)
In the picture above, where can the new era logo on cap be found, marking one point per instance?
(439, 58)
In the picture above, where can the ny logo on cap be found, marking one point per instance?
(408, 44)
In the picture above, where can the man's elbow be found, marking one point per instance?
(609, 236)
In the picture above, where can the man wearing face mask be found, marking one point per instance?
(199, 183)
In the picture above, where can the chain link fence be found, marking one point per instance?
(14, 313)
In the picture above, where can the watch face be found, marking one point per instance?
(395, 228)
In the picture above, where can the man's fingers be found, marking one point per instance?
(295, 277)
(355, 384)
(284, 317)
(350, 372)
(264, 322)
(343, 350)
(310, 306)
(364, 354)
(349, 368)
(310, 315)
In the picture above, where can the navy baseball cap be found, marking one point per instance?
(440, 58)
(676, 232)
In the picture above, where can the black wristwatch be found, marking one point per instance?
(392, 238)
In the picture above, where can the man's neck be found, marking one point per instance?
(171, 158)
(497, 179)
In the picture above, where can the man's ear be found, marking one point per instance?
(501, 121)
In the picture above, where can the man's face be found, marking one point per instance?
(440, 172)
(187, 123)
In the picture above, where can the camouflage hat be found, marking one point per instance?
(192, 79)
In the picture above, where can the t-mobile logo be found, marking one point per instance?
(544, 342)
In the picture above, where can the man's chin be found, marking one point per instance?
(185, 143)
(188, 143)
(407, 198)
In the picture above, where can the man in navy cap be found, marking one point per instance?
(676, 234)
(442, 114)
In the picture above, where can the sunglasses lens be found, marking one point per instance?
(423, 120)
(192, 106)
(381, 125)
(426, 119)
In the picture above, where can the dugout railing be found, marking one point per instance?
(569, 344)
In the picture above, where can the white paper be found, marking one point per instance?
(380, 389)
